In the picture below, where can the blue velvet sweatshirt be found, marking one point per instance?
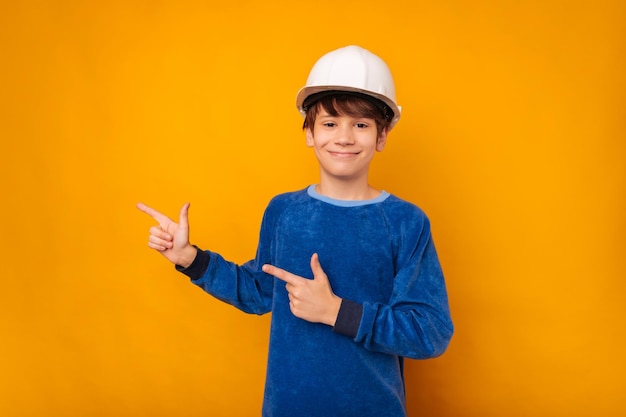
(380, 259)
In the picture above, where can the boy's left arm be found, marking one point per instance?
(415, 323)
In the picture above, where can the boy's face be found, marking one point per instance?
(344, 145)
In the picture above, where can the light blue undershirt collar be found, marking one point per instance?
(345, 203)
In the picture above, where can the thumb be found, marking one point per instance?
(183, 218)
(316, 267)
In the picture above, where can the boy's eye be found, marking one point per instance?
(328, 124)
(361, 125)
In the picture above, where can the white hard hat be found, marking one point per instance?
(351, 69)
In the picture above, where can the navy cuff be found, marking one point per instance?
(199, 265)
(349, 318)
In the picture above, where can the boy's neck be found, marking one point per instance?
(347, 190)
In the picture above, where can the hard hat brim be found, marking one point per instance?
(306, 92)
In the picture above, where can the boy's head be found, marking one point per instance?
(350, 81)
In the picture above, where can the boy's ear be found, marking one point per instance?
(381, 141)
(309, 137)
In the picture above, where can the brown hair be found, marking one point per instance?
(337, 103)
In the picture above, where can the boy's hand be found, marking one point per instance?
(311, 300)
(169, 238)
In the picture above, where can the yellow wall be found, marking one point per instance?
(512, 139)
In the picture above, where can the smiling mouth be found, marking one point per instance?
(343, 154)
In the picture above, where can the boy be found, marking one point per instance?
(350, 273)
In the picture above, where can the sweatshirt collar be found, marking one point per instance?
(345, 203)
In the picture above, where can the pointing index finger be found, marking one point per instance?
(159, 217)
(281, 274)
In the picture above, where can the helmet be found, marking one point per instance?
(355, 70)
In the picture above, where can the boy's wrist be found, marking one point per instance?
(334, 311)
(198, 266)
(187, 257)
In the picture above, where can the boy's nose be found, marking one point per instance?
(345, 137)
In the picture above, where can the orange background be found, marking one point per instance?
(512, 140)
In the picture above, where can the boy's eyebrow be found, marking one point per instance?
(357, 117)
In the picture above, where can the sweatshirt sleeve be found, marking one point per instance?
(349, 318)
(245, 286)
(416, 321)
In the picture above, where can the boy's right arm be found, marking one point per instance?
(169, 238)
(245, 287)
